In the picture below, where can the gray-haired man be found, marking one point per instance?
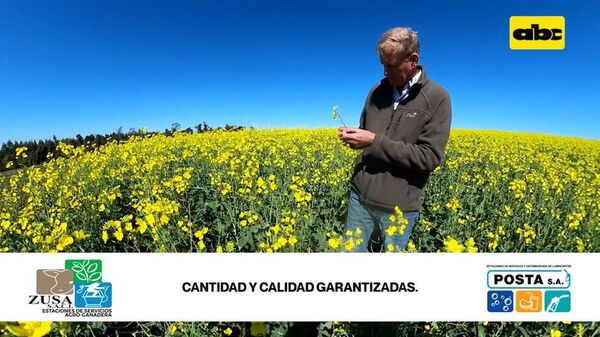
(404, 128)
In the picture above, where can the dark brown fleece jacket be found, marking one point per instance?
(409, 144)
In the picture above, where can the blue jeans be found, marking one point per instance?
(369, 218)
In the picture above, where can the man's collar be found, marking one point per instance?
(401, 95)
(414, 79)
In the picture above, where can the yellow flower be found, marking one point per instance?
(580, 245)
(336, 114)
(470, 245)
(80, 235)
(20, 151)
(142, 226)
(118, 235)
(555, 333)
(334, 242)
(349, 245)
(452, 246)
(172, 329)
(453, 204)
(228, 331)
(526, 233)
(63, 242)
(391, 230)
(30, 329)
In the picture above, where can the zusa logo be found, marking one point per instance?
(537, 32)
(76, 291)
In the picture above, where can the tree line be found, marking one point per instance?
(19, 154)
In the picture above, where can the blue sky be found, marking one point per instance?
(69, 67)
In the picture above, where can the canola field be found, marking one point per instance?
(286, 191)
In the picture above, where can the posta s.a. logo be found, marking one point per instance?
(529, 290)
(537, 32)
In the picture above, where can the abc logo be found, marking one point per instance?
(537, 32)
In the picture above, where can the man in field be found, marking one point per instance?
(404, 128)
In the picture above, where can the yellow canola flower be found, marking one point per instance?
(580, 245)
(30, 329)
(391, 230)
(452, 246)
(335, 114)
(172, 329)
(80, 235)
(527, 234)
(149, 219)
(118, 235)
(199, 234)
(5, 224)
(335, 243)
(64, 242)
(470, 245)
(349, 245)
(20, 152)
(142, 226)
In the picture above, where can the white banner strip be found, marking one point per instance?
(299, 287)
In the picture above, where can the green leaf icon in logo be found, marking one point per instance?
(85, 270)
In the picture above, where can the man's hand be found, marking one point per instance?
(356, 138)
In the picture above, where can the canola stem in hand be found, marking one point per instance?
(336, 115)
